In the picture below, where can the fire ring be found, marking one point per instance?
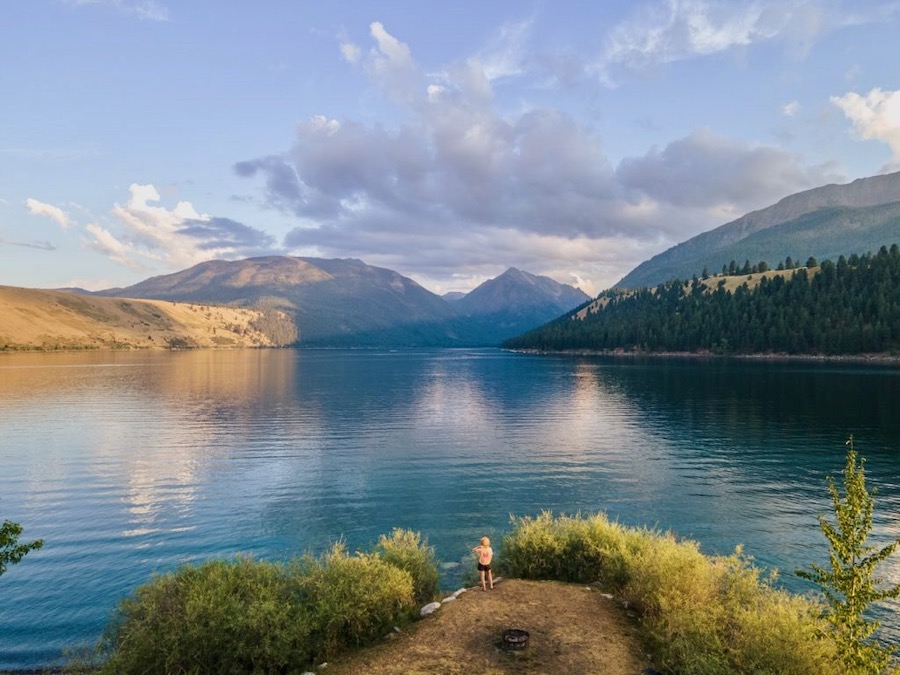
(515, 639)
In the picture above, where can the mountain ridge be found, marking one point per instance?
(689, 257)
(346, 302)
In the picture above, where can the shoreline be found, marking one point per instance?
(872, 359)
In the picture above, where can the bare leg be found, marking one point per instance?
(491, 578)
(483, 587)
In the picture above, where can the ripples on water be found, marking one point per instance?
(131, 464)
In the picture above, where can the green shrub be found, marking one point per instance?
(407, 550)
(219, 617)
(246, 616)
(699, 615)
(352, 599)
(566, 548)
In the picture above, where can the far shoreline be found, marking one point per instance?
(774, 357)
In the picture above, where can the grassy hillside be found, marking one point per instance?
(56, 320)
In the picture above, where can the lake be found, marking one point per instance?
(130, 464)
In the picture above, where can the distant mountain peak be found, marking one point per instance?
(516, 291)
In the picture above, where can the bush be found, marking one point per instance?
(698, 614)
(408, 551)
(247, 616)
(220, 617)
(352, 600)
(567, 548)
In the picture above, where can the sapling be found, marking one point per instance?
(850, 586)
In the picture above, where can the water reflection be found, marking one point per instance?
(128, 464)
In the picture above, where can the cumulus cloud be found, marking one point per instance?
(54, 213)
(460, 184)
(875, 116)
(142, 235)
(709, 171)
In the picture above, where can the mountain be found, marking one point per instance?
(331, 302)
(516, 292)
(823, 222)
(347, 303)
(515, 302)
(453, 296)
(56, 320)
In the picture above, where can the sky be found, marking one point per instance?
(446, 141)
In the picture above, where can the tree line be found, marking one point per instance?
(848, 307)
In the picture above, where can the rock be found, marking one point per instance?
(459, 592)
(608, 596)
(449, 598)
(429, 609)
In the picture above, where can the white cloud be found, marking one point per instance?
(675, 30)
(875, 116)
(118, 252)
(669, 31)
(791, 109)
(462, 185)
(391, 65)
(350, 52)
(55, 213)
(716, 174)
(141, 235)
(505, 55)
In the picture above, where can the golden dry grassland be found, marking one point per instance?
(43, 320)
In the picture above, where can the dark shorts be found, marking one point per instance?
(484, 568)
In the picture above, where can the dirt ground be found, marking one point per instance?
(572, 629)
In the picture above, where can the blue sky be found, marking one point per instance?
(445, 141)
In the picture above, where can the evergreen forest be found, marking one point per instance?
(843, 308)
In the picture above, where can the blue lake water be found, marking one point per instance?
(130, 464)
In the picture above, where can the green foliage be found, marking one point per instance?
(353, 599)
(698, 614)
(851, 307)
(12, 552)
(567, 548)
(850, 585)
(407, 550)
(247, 616)
(218, 617)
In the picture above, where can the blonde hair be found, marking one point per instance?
(485, 541)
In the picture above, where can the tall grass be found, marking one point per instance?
(699, 615)
(248, 616)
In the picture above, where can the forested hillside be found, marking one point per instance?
(848, 307)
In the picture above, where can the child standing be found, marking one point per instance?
(485, 555)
